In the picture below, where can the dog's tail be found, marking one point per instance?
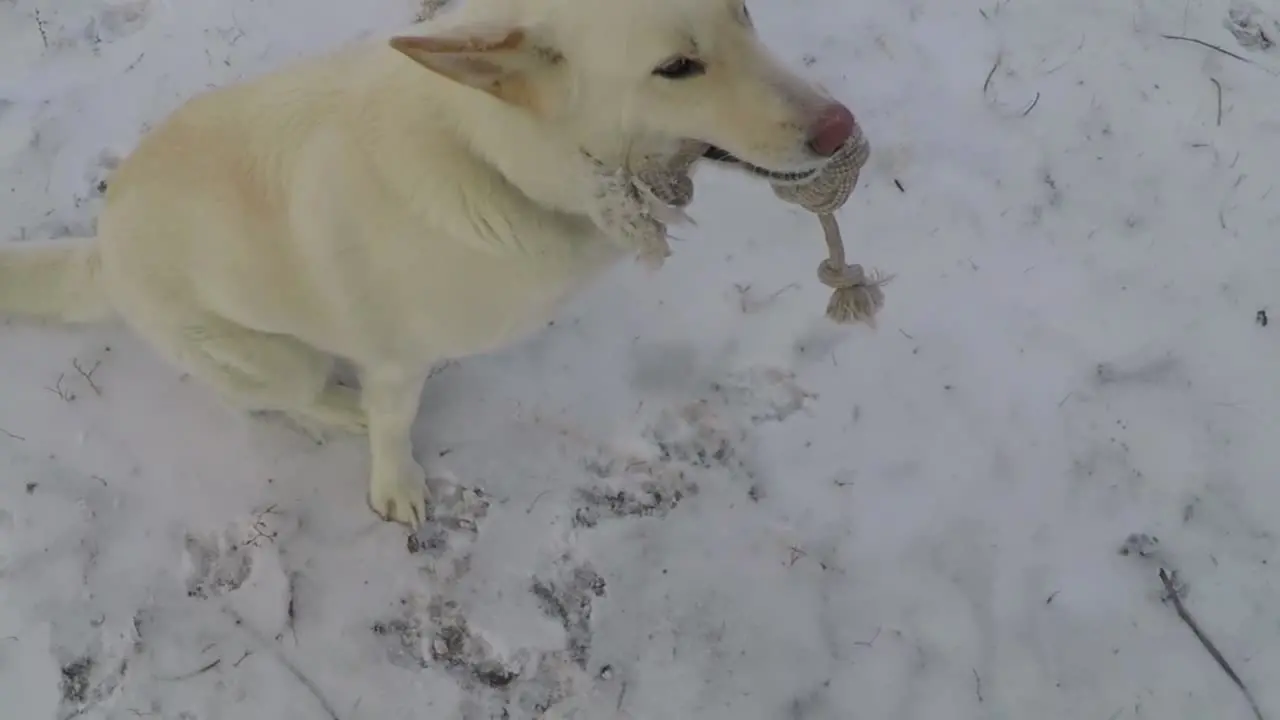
(53, 280)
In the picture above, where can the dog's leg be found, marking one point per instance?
(397, 483)
(335, 407)
(259, 371)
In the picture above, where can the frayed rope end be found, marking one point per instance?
(856, 296)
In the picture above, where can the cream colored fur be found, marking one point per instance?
(398, 204)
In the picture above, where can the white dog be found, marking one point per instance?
(401, 203)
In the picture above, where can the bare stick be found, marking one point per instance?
(1209, 45)
(280, 657)
(1181, 609)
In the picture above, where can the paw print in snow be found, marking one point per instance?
(213, 567)
(1252, 28)
(220, 564)
(118, 20)
(455, 514)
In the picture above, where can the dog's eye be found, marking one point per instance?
(680, 68)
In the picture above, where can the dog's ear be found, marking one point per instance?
(500, 63)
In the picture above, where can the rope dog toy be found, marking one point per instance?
(856, 294)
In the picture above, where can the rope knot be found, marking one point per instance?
(855, 297)
(840, 278)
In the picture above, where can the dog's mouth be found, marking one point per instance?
(786, 176)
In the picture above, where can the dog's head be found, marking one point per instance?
(624, 71)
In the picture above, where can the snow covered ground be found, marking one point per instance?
(693, 497)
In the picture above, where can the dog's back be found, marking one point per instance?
(341, 191)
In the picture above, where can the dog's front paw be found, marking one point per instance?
(401, 497)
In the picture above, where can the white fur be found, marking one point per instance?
(398, 207)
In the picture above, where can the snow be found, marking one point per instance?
(693, 496)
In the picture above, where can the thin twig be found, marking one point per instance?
(193, 673)
(1209, 45)
(796, 554)
(868, 643)
(44, 35)
(57, 389)
(9, 434)
(261, 530)
(1032, 106)
(986, 85)
(280, 657)
(529, 510)
(1181, 609)
(88, 375)
(1218, 85)
(291, 612)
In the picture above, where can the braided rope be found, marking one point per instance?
(857, 295)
